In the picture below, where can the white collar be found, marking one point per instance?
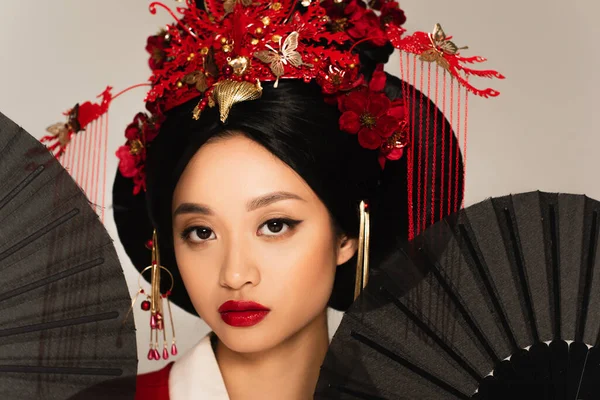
(196, 375)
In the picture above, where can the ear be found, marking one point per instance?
(346, 249)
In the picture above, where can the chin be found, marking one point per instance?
(253, 339)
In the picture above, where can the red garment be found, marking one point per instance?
(153, 385)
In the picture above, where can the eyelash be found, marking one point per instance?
(290, 223)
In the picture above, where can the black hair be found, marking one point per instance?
(298, 126)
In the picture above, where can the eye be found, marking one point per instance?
(198, 234)
(277, 227)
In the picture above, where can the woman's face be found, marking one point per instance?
(249, 228)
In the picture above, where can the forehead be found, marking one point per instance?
(236, 167)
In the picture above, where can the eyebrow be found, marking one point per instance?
(252, 205)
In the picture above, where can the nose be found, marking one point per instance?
(238, 268)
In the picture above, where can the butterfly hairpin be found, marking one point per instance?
(287, 54)
(62, 132)
(441, 45)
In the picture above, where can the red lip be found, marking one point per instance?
(242, 313)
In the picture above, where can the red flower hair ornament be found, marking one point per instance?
(378, 122)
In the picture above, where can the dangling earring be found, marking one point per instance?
(362, 261)
(154, 303)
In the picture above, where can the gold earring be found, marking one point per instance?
(362, 262)
(154, 304)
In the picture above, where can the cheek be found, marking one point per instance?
(301, 273)
(199, 277)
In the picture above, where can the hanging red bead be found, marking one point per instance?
(145, 305)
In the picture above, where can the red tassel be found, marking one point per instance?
(435, 119)
(105, 133)
(420, 153)
(427, 157)
(465, 144)
(410, 157)
(457, 170)
(443, 146)
(450, 158)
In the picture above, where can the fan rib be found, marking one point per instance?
(589, 271)
(435, 269)
(61, 370)
(51, 279)
(407, 364)
(22, 185)
(429, 332)
(523, 278)
(355, 393)
(488, 286)
(39, 233)
(555, 249)
(59, 324)
(13, 139)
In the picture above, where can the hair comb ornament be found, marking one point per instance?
(362, 259)
(224, 52)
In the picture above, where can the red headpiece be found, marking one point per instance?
(222, 53)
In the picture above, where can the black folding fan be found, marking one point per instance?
(499, 301)
(63, 295)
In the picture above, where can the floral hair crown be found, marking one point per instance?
(221, 54)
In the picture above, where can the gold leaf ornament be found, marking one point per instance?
(229, 92)
(286, 54)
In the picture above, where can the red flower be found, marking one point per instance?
(156, 46)
(366, 24)
(132, 155)
(391, 13)
(335, 80)
(393, 148)
(365, 114)
(127, 162)
(355, 19)
(344, 9)
(379, 122)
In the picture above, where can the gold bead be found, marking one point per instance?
(352, 65)
(258, 31)
(254, 41)
(276, 38)
(223, 40)
(276, 6)
(204, 51)
(227, 48)
(179, 84)
(266, 21)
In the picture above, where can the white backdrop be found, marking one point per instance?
(539, 134)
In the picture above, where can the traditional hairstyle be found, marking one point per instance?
(305, 80)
